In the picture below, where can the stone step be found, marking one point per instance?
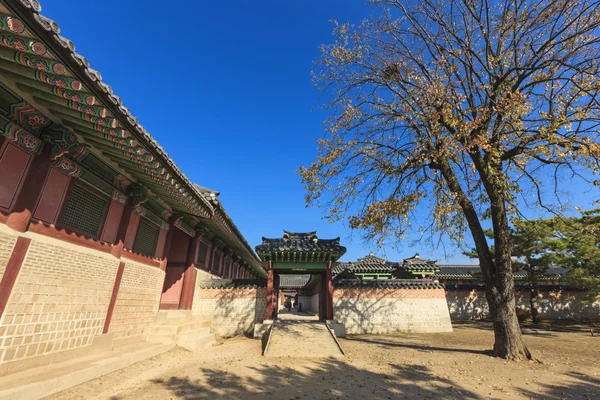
(36, 383)
(196, 340)
(173, 316)
(162, 338)
(174, 329)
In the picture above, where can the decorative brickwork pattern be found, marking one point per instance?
(7, 243)
(379, 293)
(59, 301)
(389, 311)
(137, 300)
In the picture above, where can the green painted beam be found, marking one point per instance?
(289, 266)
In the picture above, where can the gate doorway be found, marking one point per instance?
(298, 297)
(300, 255)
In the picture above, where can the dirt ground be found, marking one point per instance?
(421, 366)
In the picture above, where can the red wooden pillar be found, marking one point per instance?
(33, 184)
(189, 276)
(208, 259)
(322, 297)
(329, 293)
(270, 298)
(126, 216)
(13, 267)
(113, 297)
(161, 243)
(275, 295)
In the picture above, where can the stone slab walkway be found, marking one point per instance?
(303, 339)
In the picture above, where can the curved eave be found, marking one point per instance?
(252, 259)
(62, 48)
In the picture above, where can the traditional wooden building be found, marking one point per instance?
(99, 228)
(373, 267)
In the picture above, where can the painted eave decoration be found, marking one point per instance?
(65, 103)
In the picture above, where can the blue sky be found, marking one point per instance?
(225, 88)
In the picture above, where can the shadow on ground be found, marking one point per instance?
(545, 327)
(395, 343)
(582, 387)
(330, 378)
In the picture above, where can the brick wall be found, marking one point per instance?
(137, 301)
(7, 242)
(59, 300)
(553, 305)
(233, 311)
(391, 310)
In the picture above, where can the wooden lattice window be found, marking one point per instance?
(146, 238)
(202, 251)
(216, 263)
(84, 211)
(226, 272)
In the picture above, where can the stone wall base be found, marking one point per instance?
(100, 344)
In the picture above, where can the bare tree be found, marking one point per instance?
(473, 108)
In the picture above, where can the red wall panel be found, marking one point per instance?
(13, 166)
(179, 246)
(113, 220)
(52, 197)
(132, 227)
(160, 244)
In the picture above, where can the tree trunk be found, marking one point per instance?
(508, 341)
(496, 269)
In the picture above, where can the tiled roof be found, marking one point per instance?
(416, 263)
(369, 264)
(299, 243)
(458, 271)
(61, 84)
(232, 283)
(518, 287)
(293, 281)
(91, 79)
(388, 283)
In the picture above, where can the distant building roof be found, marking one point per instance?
(388, 283)
(457, 271)
(473, 272)
(369, 264)
(416, 263)
(293, 281)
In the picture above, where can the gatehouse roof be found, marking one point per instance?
(300, 247)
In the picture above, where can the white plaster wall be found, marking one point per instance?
(314, 303)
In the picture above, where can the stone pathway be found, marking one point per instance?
(303, 339)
